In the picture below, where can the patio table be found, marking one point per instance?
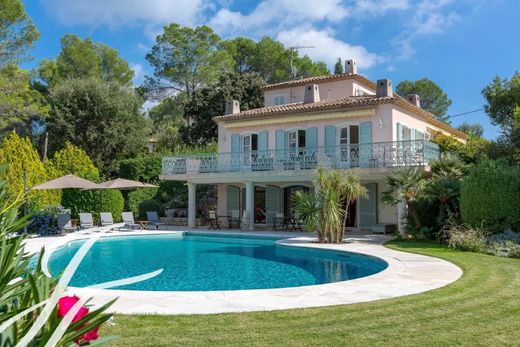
(143, 224)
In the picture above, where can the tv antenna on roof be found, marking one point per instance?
(293, 49)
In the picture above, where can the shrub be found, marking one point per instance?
(150, 205)
(137, 197)
(110, 200)
(466, 238)
(490, 195)
(506, 244)
(73, 160)
(143, 169)
(42, 223)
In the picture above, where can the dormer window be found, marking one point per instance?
(279, 100)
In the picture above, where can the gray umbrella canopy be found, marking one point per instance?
(123, 184)
(66, 182)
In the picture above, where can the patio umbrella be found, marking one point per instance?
(66, 182)
(123, 184)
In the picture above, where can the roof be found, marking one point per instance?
(322, 79)
(349, 102)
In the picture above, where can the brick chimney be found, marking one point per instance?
(232, 107)
(414, 99)
(384, 88)
(351, 66)
(312, 94)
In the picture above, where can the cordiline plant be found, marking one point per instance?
(25, 289)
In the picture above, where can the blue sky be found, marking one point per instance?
(460, 44)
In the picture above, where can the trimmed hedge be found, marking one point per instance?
(97, 201)
(490, 196)
(136, 198)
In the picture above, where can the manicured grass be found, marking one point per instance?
(480, 309)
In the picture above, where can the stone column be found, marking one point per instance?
(250, 205)
(192, 205)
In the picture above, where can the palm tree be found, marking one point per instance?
(448, 166)
(405, 185)
(326, 211)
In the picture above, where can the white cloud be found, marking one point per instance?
(430, 17)
(116, 13)
(138, 72)
(273, 15)
(327, 48)
(378, 7)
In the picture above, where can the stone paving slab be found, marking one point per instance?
(406, 274)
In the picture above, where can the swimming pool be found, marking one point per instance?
(210, 263)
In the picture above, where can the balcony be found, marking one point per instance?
(373, 155)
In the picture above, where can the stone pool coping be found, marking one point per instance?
(406, 274)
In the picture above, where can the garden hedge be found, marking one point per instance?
(490, 196)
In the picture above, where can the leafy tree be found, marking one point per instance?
(270, 59)
(19, 103)
(167, 119)
(74, 160)
(104, 119)
(184, 59)
(17, 32)
(85, 59)
(503, 108)
(338, 67)
(209, 102)
(19, 155)
(471, 129)
(474, 150)
(433, 98)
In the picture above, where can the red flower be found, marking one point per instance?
(65, 304)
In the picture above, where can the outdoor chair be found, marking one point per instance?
(214, 222)
(234, 219)
(153, 219)
(128, 220)
(106, 219)
(86, 221)
(64, 223)
(279, 222)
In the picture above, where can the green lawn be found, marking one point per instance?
(482, 308)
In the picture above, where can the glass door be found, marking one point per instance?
(349, 146)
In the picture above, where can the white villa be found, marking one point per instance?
(340, 121)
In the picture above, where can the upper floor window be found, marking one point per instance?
(279, 100)
(359, 92)
(296, 139)
(349, 135)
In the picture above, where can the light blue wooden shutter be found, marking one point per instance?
(235, 152)
(280, 144)
(311, 140)
(368, 207)
(273, 202)
(399, 132)
(400, 147)
(365, 144)
(331, 147)
(263, 141)
(233, 199)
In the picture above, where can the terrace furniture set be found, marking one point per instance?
(279, 222)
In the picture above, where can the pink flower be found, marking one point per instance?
(64, 305)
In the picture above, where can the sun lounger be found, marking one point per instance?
(86, 221)
(128, 220)
(64, 222)
(153, 219)
(106, 219)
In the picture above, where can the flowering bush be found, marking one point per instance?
(43, 223)
(466, 238)
(64, 305)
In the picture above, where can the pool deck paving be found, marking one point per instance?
(406, 274)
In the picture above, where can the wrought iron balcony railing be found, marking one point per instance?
(372, 155)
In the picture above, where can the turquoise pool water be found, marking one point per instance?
(203, 263)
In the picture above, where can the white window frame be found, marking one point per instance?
(283, 98)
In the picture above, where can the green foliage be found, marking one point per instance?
(326, 211)
(505, 244)
(146, 168)
(75, 161)
(85, 59)
(17, 32)
(184, 58)
(109, 200)
(19, 103)
(503, 107)
(474, 150)
(270, 59)
(338, 67)
(19, 155)
(471, 129)
(150, 205)
(104, 119)
(208, 102)
(490, 196)
(136, 198)
(433, 98)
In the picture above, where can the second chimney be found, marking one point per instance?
(351, 66)
(312, 94)
(414, 99)
(384, 88)
(232, 107)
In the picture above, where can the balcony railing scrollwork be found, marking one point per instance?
(371, 155)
